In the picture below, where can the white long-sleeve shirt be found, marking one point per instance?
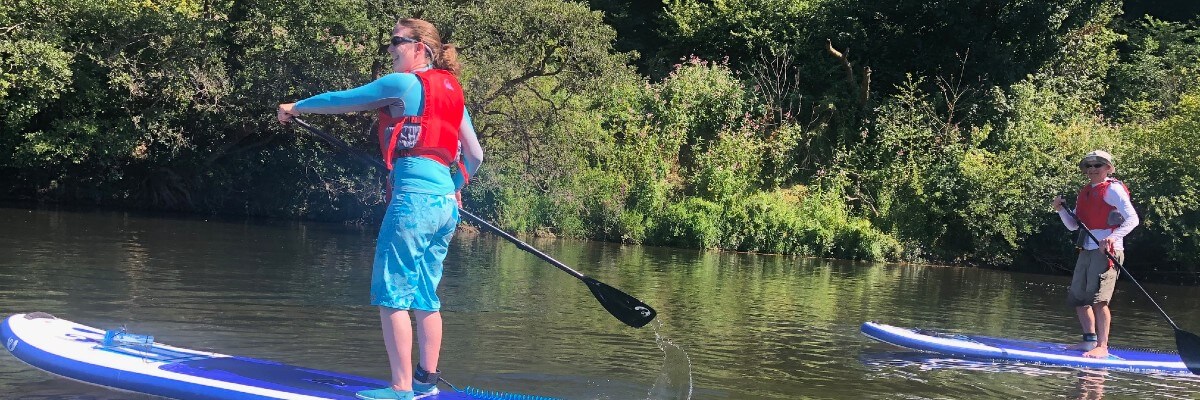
(1116, 197)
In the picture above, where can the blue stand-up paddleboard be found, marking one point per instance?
(990, 348)
(125, 361)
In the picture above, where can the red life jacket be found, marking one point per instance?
(433, 133)
(1091, 208)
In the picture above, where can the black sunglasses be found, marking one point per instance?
(1094, 165)
(399, 40)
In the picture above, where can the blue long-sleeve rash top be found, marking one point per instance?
(399, 92)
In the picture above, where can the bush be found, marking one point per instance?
(696, 103)
(691, 223)
(1160, 167)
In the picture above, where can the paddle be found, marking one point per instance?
(628, 309)
(1187, 343)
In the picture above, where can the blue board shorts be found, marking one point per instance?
(412, 244)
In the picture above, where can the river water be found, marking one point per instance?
(730, 326)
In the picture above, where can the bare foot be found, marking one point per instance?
(1098, 352)
(1084, 346)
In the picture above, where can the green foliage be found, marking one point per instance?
(914, 174)
(784, 153)
(693, 222)
(1000, 40)
(978, 193)
(1162, 174)
(786, 221)
(697, 102)
(638, 31)
(1159, 68)
(728, 167)
(941, 136)
(527, 96)
(168, 104)
(34, 74)
(800, 221)
(740, 27)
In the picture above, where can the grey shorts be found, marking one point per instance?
(1093, 282)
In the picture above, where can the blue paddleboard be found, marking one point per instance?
(138, 364)
(990, 348)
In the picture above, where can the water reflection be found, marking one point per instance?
(746, 326)
(1090, 385)
(1027, 380)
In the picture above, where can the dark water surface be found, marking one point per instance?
(742, 326)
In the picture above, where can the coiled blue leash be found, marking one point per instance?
(490, 395)
(481, 394)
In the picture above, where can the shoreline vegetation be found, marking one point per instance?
(900, 131)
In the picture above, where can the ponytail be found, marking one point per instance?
(444, 55)
(447, 59)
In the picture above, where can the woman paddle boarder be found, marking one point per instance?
(423, 124)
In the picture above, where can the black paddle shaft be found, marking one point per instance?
(1186, 342)
(1116, 262)
(628, 309)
